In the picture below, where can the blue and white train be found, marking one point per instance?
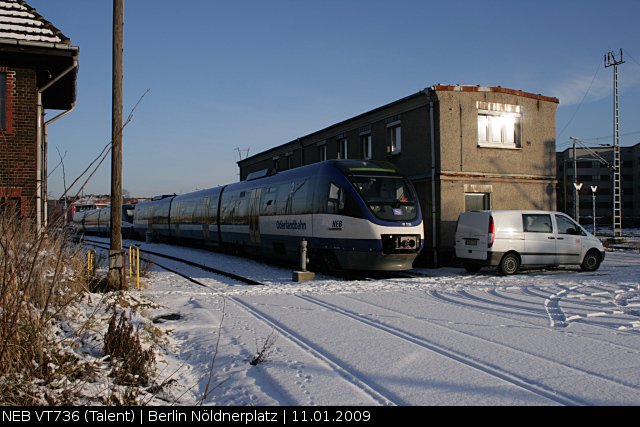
(98, 221)
(354, 215)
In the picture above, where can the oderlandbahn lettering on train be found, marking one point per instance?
(291, 225)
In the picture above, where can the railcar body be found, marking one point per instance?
(98, 221)
(354, 215)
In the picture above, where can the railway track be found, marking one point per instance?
(424, 336)
(209, 269)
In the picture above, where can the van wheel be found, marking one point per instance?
(591, 261)
(509, 264)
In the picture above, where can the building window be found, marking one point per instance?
(342, 149)
(365, 143)
(322, 152)
(3, 101)
(499, 125)
(289, 161)
(276, 161)
(595, 178)
(394, 138)
(477, 201)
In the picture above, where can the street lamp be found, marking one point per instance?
(577, 201)
(594, 188)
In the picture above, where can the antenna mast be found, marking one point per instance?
(611, 61)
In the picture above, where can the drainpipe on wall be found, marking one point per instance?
(433, 184)
(41, 197)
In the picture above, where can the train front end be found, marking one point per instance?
(373, 219)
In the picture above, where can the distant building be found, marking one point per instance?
(38, 68)
(592, 171)
(464, 148)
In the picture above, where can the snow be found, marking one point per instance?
(437, 337)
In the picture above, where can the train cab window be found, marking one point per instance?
(388, 197)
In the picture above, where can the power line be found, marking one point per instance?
(583, 98)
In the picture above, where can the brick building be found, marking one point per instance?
(464, 148)
(38, 70)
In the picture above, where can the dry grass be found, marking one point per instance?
(43, 279)
(39, 278)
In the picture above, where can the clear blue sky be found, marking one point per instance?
(255, 74)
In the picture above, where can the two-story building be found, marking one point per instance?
(464, 148)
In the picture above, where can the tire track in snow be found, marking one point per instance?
(307, 346)
(545, 359)
(494, 312)
(510, 378)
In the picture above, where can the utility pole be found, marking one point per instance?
(611, 61)
(576, 195)
(116, 259)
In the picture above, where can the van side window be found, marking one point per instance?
(537, 223)
(566, 226)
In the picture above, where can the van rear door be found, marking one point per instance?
(472, 236)
(539, 239)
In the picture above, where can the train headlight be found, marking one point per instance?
(400, 243)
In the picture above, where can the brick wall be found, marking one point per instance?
(18, 140)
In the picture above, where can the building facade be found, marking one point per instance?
(594, 171)
(464, 148)
(38, 69)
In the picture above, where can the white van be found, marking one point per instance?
(511, 239)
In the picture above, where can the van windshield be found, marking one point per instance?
(389, 197)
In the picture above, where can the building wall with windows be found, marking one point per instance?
(464, 148)
(38, 69)
(593, 165)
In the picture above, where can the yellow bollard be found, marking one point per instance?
(138, 267)
(89, 260)
(130, 262)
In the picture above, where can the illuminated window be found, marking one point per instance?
(499, 125)
(477, 201)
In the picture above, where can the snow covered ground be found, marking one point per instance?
(445, 337)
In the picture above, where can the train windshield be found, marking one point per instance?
(389, 197)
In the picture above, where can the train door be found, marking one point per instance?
(254, 215)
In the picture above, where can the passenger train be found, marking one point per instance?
(353, 214)
(98, 221)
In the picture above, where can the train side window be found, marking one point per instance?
(335, 202)
(301, 197)
(213, 209)
(227, 208)
(241, 214)
(268, 203)
(283, 203)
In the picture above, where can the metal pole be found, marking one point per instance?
(576, 214)
(303, 255)
(116, 278)
(593, 202)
